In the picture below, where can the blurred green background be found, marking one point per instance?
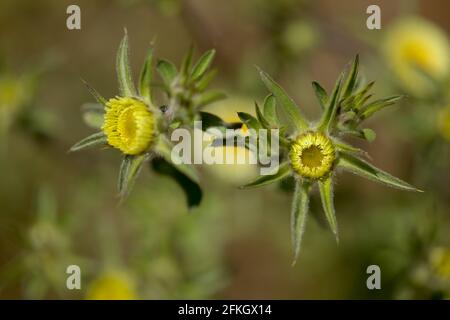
(59, 209)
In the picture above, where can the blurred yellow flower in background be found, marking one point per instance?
(415, 47)
(112, 285)
(443, 123)
(235, 174)
(440, 262)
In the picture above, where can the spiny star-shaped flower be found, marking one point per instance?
(314, 151)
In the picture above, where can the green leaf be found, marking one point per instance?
(190, 188)
(362, 168)
(346, 148)
(187, 62)
(95, 94)
(377, 105)
(204, 82)
(167, 71)
(250, 121)
(146, 77)
(288, 105)
(129, 170)
(262, 120)
(126, 86)
(164, 148)
(350, 82)
(202, 64)
(92, 140)
(326, 194)
(93, 114)
(300, 206)
(321, 94)
(270, 112)
(283, 171)
(329, 113)
(208, 97)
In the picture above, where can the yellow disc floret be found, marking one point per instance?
(312, 155)
(129, 125)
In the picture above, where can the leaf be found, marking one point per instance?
(126, 86)
(164, 148)
(167, 71)
(93, 114)
(270, 112)
(321, 94)
(95, 94)
(145, 78)
(202, 64)
(377, 105)
(250, 121)
(283, 171)
(326, 194)
(208, 98)
(362, 168)
(288, 105)
(346, 148)
(205, 80)
(92, 140)
(350, 82)
(129, 170)
(187, 62)
(329, 113)
(190, 188)
(299, 213)
(262, 120)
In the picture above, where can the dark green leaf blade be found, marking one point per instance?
(191, 189)
(362, 168)
(250, 121)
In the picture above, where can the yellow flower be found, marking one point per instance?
(440, 262)
(443, 123)
(112, 285)
(413, 43)
(312, 155)
(129, 125)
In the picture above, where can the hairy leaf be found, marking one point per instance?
(300, 207)
(362, 168)
(326, 194)
(283, 171)
(92, 140)
(124, 75)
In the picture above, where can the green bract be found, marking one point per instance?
(313, 152)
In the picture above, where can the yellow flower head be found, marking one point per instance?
(413, 43)
(440, 262)
(112, 285)
(129, 125)
(312, 155)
